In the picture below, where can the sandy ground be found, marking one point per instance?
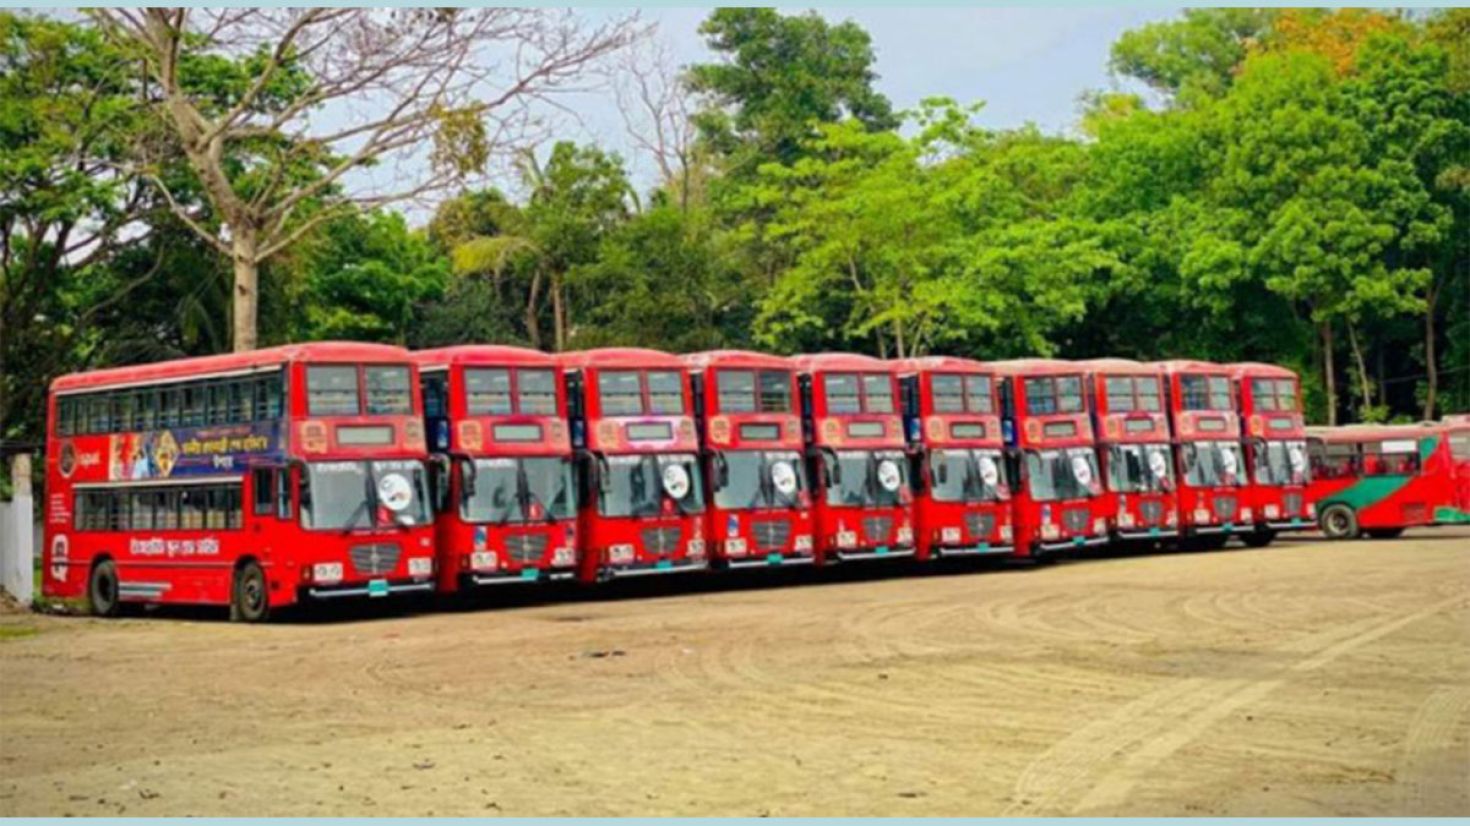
(1309, 678)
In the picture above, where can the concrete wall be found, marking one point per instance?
(19, 535)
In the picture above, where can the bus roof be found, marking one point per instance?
(630, 358)
(736, 358)
(1036, 367)
(1116, 366)
(954, 364)
(316, 351)
(1173, 366)
(1241, 369)
(482, 354)
(811, 362)
(1373, 432)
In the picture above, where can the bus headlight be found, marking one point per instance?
(905, 535)
(1049, 531)
(1171, 518)
(1201, 516)
(1125, 519)
(696, 548)
(846, 539)
(1272, 512)
(1247, 515)
(803, 542)
(735, 547)
(1005, 533)
(326, 572)
(949, 536)
(1099, 525)
(420, 565)
(620, 554)
(484, 561)
(563, 557)
(1311, 510)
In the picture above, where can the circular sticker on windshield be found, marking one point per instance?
(1158, 464)
(1082, 470)
(989, 472)
(1297, 458)
(888, 475)
(1228, 462)
(676, 481)
(394, 491)
(783, 476)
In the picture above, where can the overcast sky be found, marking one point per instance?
(1027, 64)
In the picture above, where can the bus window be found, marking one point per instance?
(388, 390)
(948, 393)
(736, 391)
(620, 393)
(263, 487)
(979, 397)
(332, 391)
(536, 392)
(878, 392)
(487, 391)
(842, 393)
(665, 393)
(1120, 395)
(775, 391)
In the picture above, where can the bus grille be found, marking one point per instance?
(660, 540)
(876, 528)
(374, 560)
(1293, 504)
(1152, 512)
(979, 525)
(1076, 519)
(1225, 508)
(771, 534)
(526, 547)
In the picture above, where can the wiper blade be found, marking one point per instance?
(362, 508)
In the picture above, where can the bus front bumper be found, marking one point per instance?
(663, 566)
(1151, 533)
(522, 576)
(373, 588)
(1074, 542)
(980, 549)
(880, 552)
(772, 560)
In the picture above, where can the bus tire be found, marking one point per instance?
(249, 597)
(1259, 538)
(1339, 522)
(1385, 533)
(102, 590)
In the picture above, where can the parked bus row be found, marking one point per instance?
(334, 470)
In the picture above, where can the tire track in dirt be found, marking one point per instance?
(1101, 763)
(1429, 740)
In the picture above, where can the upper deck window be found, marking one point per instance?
(229, 400)
(859, 393)
(536, 392)
(665, 392)
(1053, 394)
(1204, 392)
(1129, 393)
(621, 392)
(487, 391)
(388, 390)
(330, 391)
(954, 393)
(1274, 394)
(842, 393)
(750, 391)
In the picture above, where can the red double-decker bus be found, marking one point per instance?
(855, 443)
(952, 418)
(1127, 401)
(1205, 426)
(250, 480)
(1276, 463)
(1058, 499)
(503, 481)
(1380, 479)
(759, 507)
(642, 508)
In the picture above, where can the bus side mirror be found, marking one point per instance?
(439, 483)
(834, 467)
(942, 473)
(722, 470)
(600, 473)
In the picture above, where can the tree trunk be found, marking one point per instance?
(246, 294)
(1328, 380)
(558, 314)
(1365, 387)
(898, 343)
(533, 305)
(1431, 371)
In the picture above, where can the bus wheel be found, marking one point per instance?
(249, 601)
(1339, 522)
(1258, 538)
(1385, 533)
(102, 595)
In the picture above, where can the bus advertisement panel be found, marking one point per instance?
(250, 480)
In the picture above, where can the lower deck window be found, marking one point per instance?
(176, 507)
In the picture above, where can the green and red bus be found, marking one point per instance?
(952, 418)
(855, 445)
(251, 480)
(1205, 427)
(759, 503)
(502, 465)
(641, 510)
(1275, 435)
(1058, 501)
(1378, 480)
(1127, 402)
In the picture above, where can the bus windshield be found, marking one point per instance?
(746, 479)
(507, 490)
(1280, 463)
(1140, 468)
(1212, 464)
(346, 495)
(872, 478)
(1069, 473)
(639, 485)
(967, 476)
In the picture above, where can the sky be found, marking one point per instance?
(1026, 64)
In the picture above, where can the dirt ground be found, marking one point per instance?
(1309, 678)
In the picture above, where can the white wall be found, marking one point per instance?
(19, 535)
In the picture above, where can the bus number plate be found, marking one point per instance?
(377, 587)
